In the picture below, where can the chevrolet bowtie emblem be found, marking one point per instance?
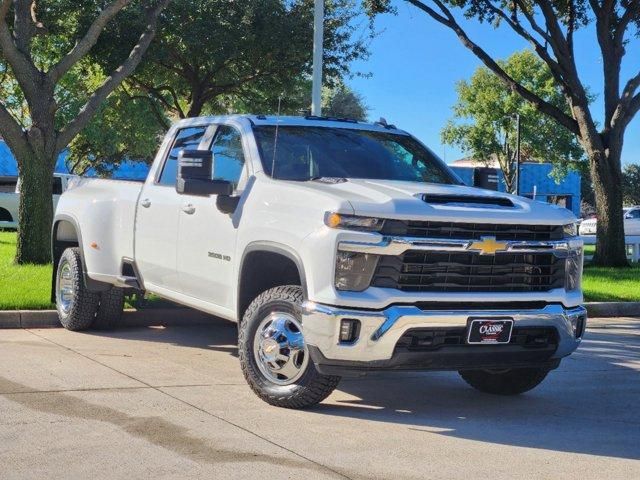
(488, 246)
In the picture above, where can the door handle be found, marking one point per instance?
(146, 203)
(189, 209)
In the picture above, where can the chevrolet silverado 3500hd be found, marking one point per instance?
(339, 247)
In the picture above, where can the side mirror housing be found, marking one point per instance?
(195, 169)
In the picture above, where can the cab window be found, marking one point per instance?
(186, 139)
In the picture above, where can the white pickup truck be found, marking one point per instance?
(339, 247)
(9, 201)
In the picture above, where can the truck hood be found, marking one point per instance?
(415, 200)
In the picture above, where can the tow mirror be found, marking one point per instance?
(195, 169)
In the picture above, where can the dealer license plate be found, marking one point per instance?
(490, 331)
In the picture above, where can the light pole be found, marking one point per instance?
(517, 179)
(318, 27)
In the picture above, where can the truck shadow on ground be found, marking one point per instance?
(589, 405)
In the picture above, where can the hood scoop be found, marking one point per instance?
(474, 201)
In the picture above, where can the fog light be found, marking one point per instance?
(349, 330)
(579, 327)
(578, 323)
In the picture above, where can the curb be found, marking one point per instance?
(130, 318)
(613, 309)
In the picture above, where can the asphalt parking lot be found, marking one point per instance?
(172, 403)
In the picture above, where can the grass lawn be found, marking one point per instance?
(611, 284)
(27, 287)
(22, 287)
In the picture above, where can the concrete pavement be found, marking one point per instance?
(172, 403)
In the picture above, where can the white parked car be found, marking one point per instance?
(9, 200)
(339, 247)
(631, 217)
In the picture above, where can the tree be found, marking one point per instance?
(484, 126)
(342, 102)
(216, 56)
(631, 185)
(550, 28)
(124, 128)
(44, 51)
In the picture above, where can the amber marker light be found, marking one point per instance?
(333, 220)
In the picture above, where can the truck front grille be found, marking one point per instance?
(424, 271)
(471, 231)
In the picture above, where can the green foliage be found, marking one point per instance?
(125, 127)
(631, 184)
(483, 123)
(62, 24)
(214, 57)
(342, 102)
(122, 126)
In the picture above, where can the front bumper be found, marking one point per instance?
(380, 331)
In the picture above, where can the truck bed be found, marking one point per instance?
(109, 237)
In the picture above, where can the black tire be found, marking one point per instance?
(510, 382)
(110, 309)
(311, 387)
(77, 311)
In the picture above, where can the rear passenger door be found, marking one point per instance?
(207, 237)
(156, 236)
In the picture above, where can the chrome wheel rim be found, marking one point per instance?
(66, 290)
(279, 348)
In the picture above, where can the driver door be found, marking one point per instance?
(206, 236)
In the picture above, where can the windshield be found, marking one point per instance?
(305, 153)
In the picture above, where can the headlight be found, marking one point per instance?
(573, 270)
(353, 222)
(571, 230)
(354, 270)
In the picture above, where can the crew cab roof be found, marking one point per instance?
(294, 121)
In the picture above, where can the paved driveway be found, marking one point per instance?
(171, 403)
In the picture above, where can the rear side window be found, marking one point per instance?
(186, 139)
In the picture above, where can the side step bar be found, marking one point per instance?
(128, 282)
(130, 277)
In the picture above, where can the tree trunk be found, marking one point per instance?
(35, 210)
(607, 185)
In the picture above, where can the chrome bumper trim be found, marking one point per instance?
(390, 245)
(381, 330)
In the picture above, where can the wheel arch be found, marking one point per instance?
(66, 233)
(5, 215)
(283, 266)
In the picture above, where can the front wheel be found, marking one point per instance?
(505, 382)
(273, 354)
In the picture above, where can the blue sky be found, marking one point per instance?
(415, 63)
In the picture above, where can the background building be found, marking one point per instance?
(536, 182)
